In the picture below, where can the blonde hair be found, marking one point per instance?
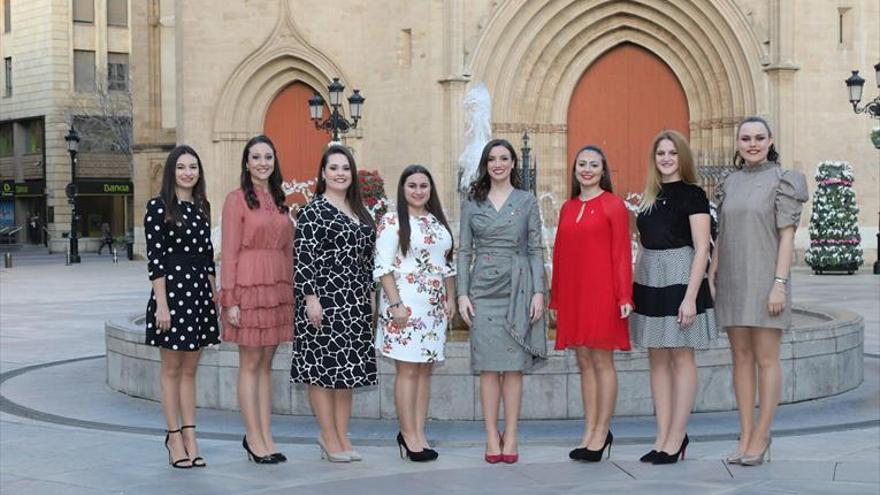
(686, 169)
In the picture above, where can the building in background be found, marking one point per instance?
(571, 72)
(65, 63)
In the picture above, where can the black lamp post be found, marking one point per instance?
(336, 123)
(529, 172)
(72, 139)
(855, 84)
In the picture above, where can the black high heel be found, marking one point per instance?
(278, 456)
(596, 455)
(649, 457)
(196, 461)
(420, 456)
(266, 459)
(664, 458)
(176, 464)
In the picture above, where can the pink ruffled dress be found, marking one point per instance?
(256, 271)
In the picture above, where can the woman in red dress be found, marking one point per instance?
(591, 292)
(256, 274)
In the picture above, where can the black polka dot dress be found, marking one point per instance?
(183, 254)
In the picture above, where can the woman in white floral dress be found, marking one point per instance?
(414, 265)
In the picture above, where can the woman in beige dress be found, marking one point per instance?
(759, 207)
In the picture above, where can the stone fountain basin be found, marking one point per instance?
(821, 356)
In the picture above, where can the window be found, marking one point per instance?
(117, 71)
(844, 27)
(6, 139)
(7, 16)
(7, 77)
(34, 137)
(117, 13)
(84, 70)
(84, 11)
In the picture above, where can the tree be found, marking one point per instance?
(835, 242)
(103, 121)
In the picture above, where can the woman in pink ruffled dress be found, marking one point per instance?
(256, 275)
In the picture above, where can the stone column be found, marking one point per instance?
(453, 83)
(781, 73)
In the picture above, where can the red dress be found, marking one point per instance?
(592, 274)
(256, 270)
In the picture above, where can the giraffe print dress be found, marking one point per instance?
(335, 263)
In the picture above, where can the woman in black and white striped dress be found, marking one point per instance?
(673, 307)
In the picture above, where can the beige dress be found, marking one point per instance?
(753, 203)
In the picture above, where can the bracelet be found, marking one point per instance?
(780, 280)
(398, 303)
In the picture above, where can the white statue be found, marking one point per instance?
(478, 132)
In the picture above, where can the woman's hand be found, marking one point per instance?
(450, 309)
(776, 301)
(466, 309)
(687, 312)
(233, 315)
(314, 311)
(400, 315)
(163, 317)
(536, 310)
(625, 311)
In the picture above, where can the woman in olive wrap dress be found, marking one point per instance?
(759, 207)
(502, 296)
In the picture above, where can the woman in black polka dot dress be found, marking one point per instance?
(181, 317)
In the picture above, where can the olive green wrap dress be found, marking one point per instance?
(501, 267)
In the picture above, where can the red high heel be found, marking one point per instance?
(508, 458)
(495, 458)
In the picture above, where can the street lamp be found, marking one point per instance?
(72, 139)
(336, 123)
(855, 85)
(528, 173)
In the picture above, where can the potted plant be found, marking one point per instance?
(875, 137)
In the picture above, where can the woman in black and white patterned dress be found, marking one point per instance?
(673, 307)
(181, 317)
(333, 349)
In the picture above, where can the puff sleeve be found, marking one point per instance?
(387, 245)
(791, 194)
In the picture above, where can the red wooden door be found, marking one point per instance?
(298, 144)
(620, 103)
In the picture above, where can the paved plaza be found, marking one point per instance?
(63, 431)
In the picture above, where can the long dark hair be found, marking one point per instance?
(168, 193)
(433, 206)
(247, 184)
(479, 189)
(604, 181)
(353, 194)
(772, 154)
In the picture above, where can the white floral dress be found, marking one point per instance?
(420, 281)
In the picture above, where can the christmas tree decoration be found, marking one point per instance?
(835, 243)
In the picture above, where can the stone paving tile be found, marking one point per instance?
(862, 472)
(713, 470)
(40, 487)
(796, 487)
(805, 471)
